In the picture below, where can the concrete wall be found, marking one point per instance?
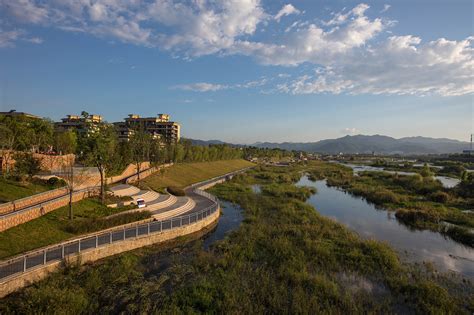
(94, 254)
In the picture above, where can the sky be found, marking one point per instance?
(244, 71)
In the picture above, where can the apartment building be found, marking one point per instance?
(159, 127)
(14, 113)
(89, 123)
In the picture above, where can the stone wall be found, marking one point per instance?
(130, 170)
(32, 200)
(12, 219)
(25, 209)
(54, 162)
(147, 173)
(48, 162)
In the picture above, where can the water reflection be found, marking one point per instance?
(256, 188)
(367, 221)
(230, 219)
(447, 182)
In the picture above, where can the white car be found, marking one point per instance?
(141, 203)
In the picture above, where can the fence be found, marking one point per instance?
(29, 201)
(17, 217)
(58, 252)
(218, 178)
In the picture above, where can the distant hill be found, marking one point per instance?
(206, 142)
(377, 143)
(213, 142)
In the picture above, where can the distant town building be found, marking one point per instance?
(14, 113)
(159, 127)
(89, 123)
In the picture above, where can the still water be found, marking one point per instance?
(447, 182)
(229, 220)
(370, 222)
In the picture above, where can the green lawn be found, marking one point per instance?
(12, 190)
(182, 175)
(55, 226)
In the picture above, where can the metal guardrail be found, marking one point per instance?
(221, 177)
(55, 253)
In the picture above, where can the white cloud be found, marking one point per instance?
(286, 10)
(401, 65)
(351, 131)
(201, 87)
(386, 7)
(35, 40)
(349, 50)
(315, 44)
(25, 10)
(212, 87)
(8, 38)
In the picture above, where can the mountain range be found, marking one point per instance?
(378, 144)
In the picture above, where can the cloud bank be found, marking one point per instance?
(349, 51)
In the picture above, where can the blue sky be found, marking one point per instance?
(246, 71)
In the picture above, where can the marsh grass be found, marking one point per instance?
(284, 258)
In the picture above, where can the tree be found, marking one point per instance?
(65, 142)
(100, 151)
(40, 135)
(12, 138)
(140, 145)
(426, 171)
(73, 177)
(26, 164)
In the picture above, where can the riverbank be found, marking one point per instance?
(419, 202)
(285, 257)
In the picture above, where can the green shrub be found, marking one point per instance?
(56, 182)
(417, 218)
(176, 191)
(96, 224)
(439, 196)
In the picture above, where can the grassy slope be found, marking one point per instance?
(285, 258)
(182, 175)
(54, 227)
(11, 190)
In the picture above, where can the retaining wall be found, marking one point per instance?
(12, 219)
(28, 208)
(27, 278)
(31, 200)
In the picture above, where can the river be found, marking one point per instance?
(229, 220)
(447, 182)
(371, 222)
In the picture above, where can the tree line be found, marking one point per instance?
(99, 146)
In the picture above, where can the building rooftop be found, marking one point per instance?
(14, 113)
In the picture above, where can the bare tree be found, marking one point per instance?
(140, 145)
(74, 178)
